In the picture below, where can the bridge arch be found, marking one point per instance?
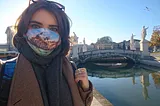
(98, 54)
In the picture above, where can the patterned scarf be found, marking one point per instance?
(48, 70)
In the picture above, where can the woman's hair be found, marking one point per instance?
(61, 18)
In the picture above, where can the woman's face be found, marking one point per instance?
(43, 19)
(43, 41)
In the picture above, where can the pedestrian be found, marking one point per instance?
(43, 76)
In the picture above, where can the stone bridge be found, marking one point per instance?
(4, 47)
(109, 54)
(7, 47)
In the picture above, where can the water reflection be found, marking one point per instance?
(133, 80)
(115, 73)
(145, 83)
(147, 80)
(156, 78)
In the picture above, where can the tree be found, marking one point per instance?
(104, 40)
(155, 39)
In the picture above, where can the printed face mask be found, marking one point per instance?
(42, 41)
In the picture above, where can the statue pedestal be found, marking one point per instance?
(75, 51)
(144, 45)
(84, 48)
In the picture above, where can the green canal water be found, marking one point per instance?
(128, 87)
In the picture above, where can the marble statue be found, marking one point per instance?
(74, 39)
(144, 33)
(132, 45)
(84, 41)
(144, 43)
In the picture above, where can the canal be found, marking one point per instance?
(134, 86)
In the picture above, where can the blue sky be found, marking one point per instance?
(94, 19)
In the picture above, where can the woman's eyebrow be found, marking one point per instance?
(36, 22)
(53, 25)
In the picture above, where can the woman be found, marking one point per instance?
(43, 76)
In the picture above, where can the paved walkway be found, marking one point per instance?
(150, 63)
(99, 100)
(95, 102)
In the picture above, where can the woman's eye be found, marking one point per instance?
(34, 26)
(54, 29)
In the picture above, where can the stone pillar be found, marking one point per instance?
(144, 45)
